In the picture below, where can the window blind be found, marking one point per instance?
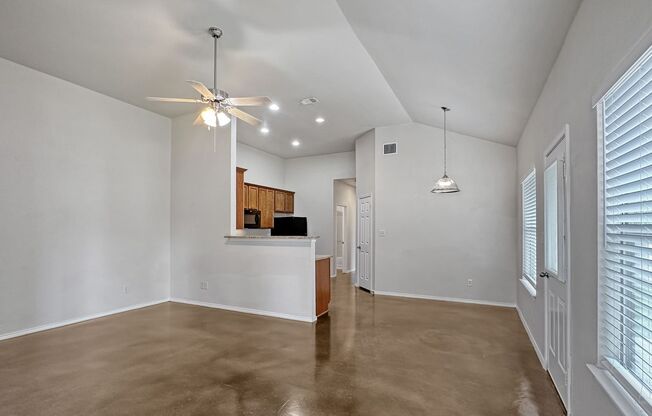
(529, 207)
(625, 115)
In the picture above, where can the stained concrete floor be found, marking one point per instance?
(371, 356)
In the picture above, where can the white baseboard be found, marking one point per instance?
(445, 299)
(334, 275)
(245, 310)
(53, 325)
(542, 359)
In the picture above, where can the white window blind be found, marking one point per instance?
(625, 119)
(529, 207)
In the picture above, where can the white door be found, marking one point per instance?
(364, 243)
(339, 237)
(555, 262)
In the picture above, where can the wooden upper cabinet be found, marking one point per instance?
(289, 202)
(266, 207)
(253, 197)
(239, 198)
(246, 196)
(279, 201)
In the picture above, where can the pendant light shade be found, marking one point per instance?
(445, 184)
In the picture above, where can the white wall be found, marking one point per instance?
(84, 202)
(602, 34)
(344, 195)
(365, 164)
(435, 242)
(262, 168)
(273, 278)
(312, 180)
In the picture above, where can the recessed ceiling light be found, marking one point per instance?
(264, 130)
(320, 120)
(274, 107)
(295, 143)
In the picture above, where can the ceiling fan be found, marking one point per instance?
(218, 103)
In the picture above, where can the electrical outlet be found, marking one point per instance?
(469, 282)
(203, 285)
(125, 289)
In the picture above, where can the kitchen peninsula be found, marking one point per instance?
(299, 288)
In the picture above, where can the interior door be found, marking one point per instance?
(339, 237)
(364, 243)
(555, 270)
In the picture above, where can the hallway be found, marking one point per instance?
(372, 356)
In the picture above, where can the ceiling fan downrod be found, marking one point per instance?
(216, 33)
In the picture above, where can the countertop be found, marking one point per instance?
(272, 237)
(322, 257)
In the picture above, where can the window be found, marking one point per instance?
(625, 331)
(529, 207)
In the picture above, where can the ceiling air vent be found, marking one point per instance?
(309, 101)
(389, 149)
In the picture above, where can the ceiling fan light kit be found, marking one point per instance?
(219, 107)
(445, 184)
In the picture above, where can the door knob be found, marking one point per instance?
(544, 274)
(359, 247)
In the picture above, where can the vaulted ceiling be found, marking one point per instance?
(369, 62)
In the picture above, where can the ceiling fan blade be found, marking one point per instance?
(198, 120)
(247, 118)
(174, 100)
(249, 101)
(202, 89)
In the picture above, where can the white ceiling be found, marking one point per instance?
(488, 60)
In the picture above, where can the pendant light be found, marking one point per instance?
(445, 185)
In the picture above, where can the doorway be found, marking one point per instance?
(555, 263)
(344, 226)
(340, 236)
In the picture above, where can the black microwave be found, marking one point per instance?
(251, 218)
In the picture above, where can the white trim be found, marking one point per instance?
(528, 286)
(537, 350)
(67, 322)
(446, 299)
(563, 135)
(632, 58)
(349, 271)
(245, 310)
(616, 392)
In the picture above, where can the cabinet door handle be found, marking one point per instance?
(544, 274)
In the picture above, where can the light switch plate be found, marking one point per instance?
(382, 233)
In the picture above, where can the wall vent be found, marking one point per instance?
(390, 149)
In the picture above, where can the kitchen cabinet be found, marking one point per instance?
(266, 207)
(239, 201)
(279, 201)
(253, 197)
(322, 285)
(289, 202)
(284, 201)
(264, 198)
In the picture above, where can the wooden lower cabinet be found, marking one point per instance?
(322, 285)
